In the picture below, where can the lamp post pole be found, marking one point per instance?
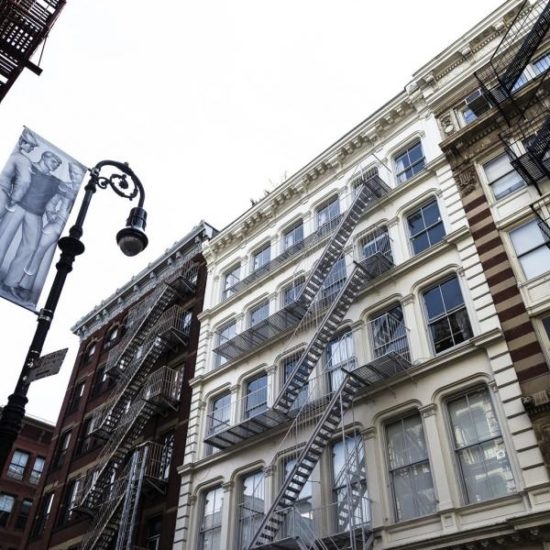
(131, 240)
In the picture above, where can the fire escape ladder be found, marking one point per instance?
(131, 499)
(526, 50)
(319, 439)
(371, 189)
(541, 144)
(324, 332)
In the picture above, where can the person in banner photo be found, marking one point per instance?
(40, 184)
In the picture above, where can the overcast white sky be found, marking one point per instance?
(211, 103)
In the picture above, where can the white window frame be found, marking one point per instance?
(405, 151)
(529, 251)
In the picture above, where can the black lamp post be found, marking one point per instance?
(131, 240)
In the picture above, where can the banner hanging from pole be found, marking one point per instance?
(38, 187)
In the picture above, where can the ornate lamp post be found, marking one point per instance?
(131, 240)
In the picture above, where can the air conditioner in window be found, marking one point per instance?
(477, 101)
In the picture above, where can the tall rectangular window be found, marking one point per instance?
(289, 364)
(542, 64)
(62, 449)
(334, 281)
(6, 506)
(154, 528)
(425, 227)
(339, 354)
(293, 235)
(448, 320)
(256, 396)
(479, 447)
(502, 177)
(349, 484)
(327, 214)
(410, 473)
(388, 333)
(292, 291)
(299, 521)
(71, 495)
(261, 257)
(24, 513)
(211, 524)
(230, 279)
(37, 469)
(251, 507)
(220, 413)
(259, 313)
(43, 514)
(225, 333)
(18, 464)
(409, 162)
(532, 249)
(76, 397)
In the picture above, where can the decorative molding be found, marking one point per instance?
(428, 410)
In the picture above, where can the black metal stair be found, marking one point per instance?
(306, 462)
(525, 52)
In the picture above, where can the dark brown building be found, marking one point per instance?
(112, 477)
(20, 480)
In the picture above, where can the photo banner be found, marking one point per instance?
(38, 186)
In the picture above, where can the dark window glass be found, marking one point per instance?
(24, 512)
(37, 469)
(256, 396)
(425, 227)
(259, 313)
(18, 464)
(293, 235)
(409, 163)
(292, 291)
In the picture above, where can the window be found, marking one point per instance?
(256, 396)
(230, 279)
(339, 354)
(261, 257)
(24, 513)
(532, 249)
(502, 178)
(334, 281)
(258, 313)
(210, 529)
(102, 382)
(154, 527)
(425, 227)
(388, 333)
(542, 64)
(409, 162)
(292, 291)
(76, 397)
(43, 514)
(376, 242)
(468, 115)
(225, 333)
(19, 460)
(71, 495)
(87, 441)
(6, 506)
(410, 473)
(327, 213)
(479, 448)
(89, 353)
(112, 337)
(288, 368)
(220, 413)
(251, 507)
(293, 235)
(448, 320)
(349, 483)
(37, 469)
(62, 448)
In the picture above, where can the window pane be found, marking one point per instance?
(256, 396)
(507, 184)
(527, 237)
(537, 262)
(293, 235)
(542, 64)
(434, 302)
(452, 296)
(259, 313)
(414, 492)
(420, 242)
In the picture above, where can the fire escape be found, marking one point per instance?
(110, 495)
(311, 406)
(515, 81)
(24, 25)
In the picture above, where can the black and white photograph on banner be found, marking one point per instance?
(38, 186)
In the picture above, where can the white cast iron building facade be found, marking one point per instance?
(353, 387)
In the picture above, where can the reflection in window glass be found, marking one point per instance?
(409, 163)
(251, 507)
(210, 530)
(502, 178)
(531, 246)
(293, 235)
(410, 471)
(425, 227)
(480, 451)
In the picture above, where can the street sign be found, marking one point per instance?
(47, 365)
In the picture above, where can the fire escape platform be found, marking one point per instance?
(258, 424)
(382, 368)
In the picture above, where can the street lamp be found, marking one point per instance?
(131, 240)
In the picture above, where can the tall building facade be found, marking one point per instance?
(111, 479)
(20, 480)
(496, 123)
(356, 385)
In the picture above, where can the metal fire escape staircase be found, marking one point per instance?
(336, 307)
(24, 24)
(289, 317)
